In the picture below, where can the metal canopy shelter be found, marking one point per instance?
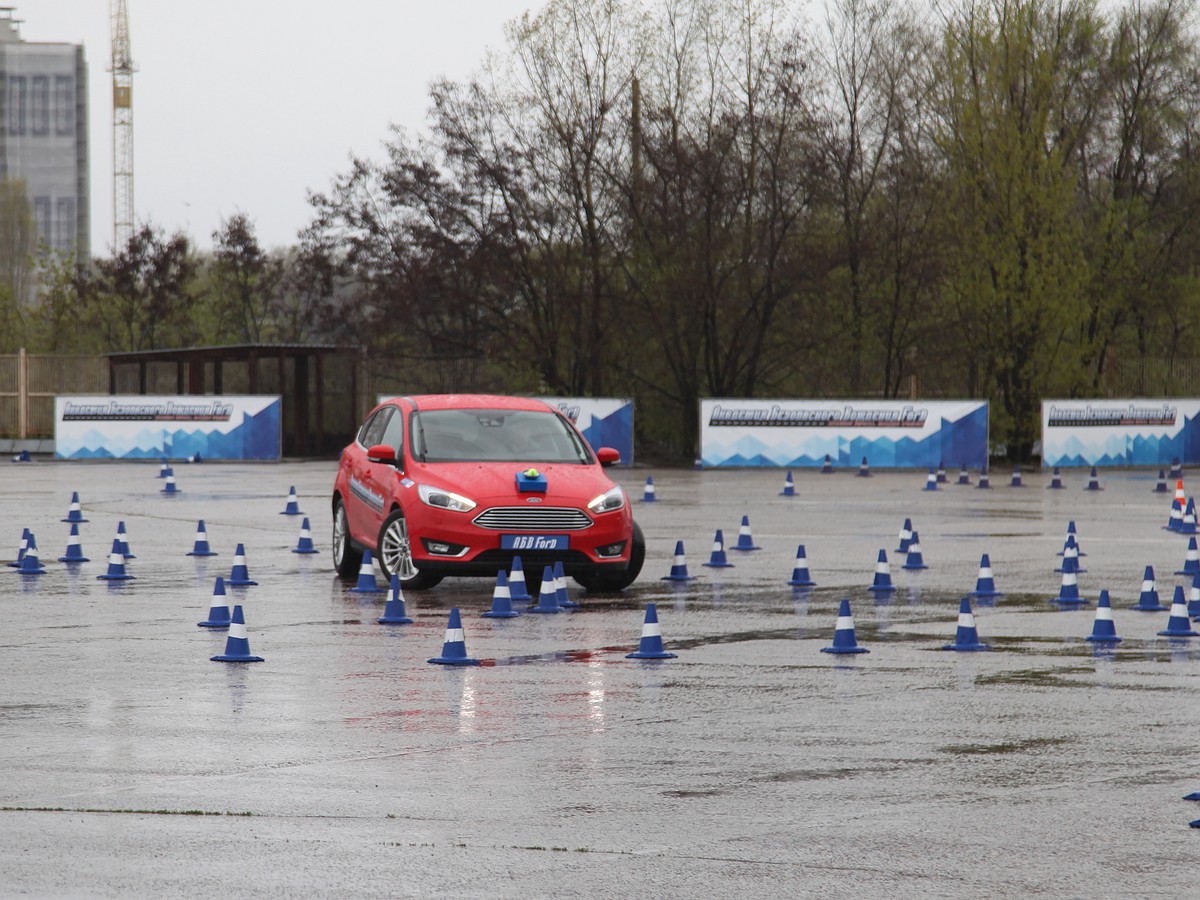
(305, 375)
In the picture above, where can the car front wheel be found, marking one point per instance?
(611, 582)
(395, 555)
(346, 559)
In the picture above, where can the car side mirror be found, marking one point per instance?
(382, 453)
(608, 456)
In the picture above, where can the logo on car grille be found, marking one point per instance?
(524, 518)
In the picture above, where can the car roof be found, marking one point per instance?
(476, 401)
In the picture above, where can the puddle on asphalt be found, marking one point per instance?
(1025, 746)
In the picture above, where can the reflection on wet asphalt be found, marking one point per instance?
(345, 765)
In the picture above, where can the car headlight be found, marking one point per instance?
(444, 499)
(613, 498)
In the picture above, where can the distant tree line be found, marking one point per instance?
(997, 198)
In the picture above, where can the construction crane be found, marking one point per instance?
(122, 82)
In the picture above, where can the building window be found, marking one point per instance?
(16, 104)
(64, 104)
(64, 224)
(39, 105)
(41, 217)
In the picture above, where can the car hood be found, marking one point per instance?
(491, 484)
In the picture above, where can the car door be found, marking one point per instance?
(367, 503)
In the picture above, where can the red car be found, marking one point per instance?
(459, 484)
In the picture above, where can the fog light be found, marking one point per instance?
(442, 548)
(611, 550)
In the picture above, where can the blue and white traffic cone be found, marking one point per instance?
(883, 575)
(237, 643)
(293, 504)
(1072, 534)
(30, 563)
(21, 547)
(547, 601)
(516, 582)
(1148, 598)
(196, 458)
(1176, 468)
(966, 638)
(201, 547)
(367, 582)
(305, 543)
(116, 565)
(914, 560)
(1056, 482)
(454, 648)
(1093, 481)
(74, 552)
(560, 587)
(1016, 478)
(1179, 625)
(1194, 598)
(864, 469)
(239, 574)
(502, 607)
(827, 466)
(394, 611)
(941, 472)
(651, 644)
(1104, 630)
(648, 495)
(1070, 551)
(1161, 486)
(75, 513)
(218, 612)
(170, 486)
(22, 457)
(679, 571)
(718, 559)
(1068, 592)
(1191, 562)
(984, 484)
(164, 469)
(745, 541)
(1188, 524)
(800, 575)
(789, 486)
(931, 482)
(985, 582)
(843, 633)
(964, 476)
(1176, 517)
(123, 537)
(906, 533)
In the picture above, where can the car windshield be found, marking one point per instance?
(495, 435)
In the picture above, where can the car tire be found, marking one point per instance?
(346, 558)
(612, 582)
(393, 545)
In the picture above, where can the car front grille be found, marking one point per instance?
(533, 518)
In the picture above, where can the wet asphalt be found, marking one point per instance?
(753, 764)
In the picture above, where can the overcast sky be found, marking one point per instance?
(244, 105)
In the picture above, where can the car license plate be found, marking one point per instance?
(534, 542)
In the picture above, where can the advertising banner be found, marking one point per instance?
(604, 421)
(1120, 432)
(903, 434)
(176, 427)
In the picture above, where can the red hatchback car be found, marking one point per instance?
(459, 484)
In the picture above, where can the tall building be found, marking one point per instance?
(44, 134)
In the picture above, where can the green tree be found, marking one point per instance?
(18, 242)
(243, 281)
(142, 298)
(1010, 90)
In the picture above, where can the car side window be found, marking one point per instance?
(393, 434)
(372, 432)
